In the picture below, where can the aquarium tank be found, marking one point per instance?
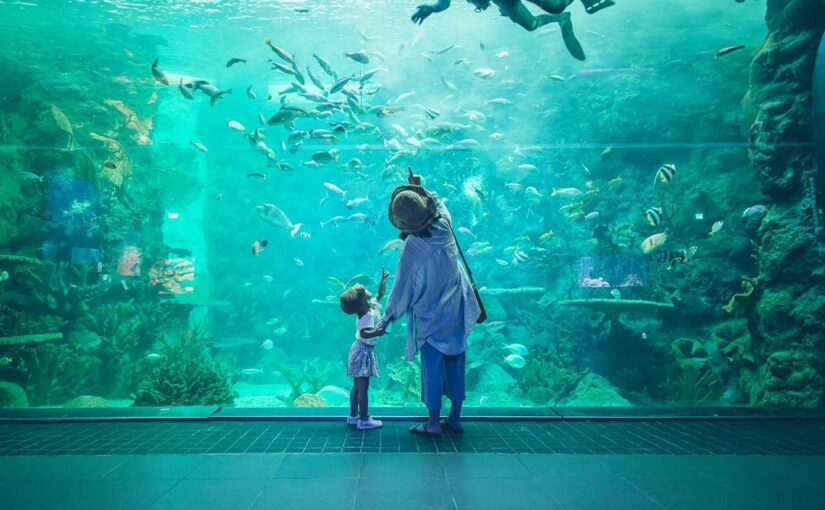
(186, 188)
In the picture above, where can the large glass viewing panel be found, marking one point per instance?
(186, 188)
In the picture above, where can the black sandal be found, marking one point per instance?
(449, 428)
(421, 430)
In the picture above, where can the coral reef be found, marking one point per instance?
(790, 353)
(184, 375)
(309, 400)
(86, 402)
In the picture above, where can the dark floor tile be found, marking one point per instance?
(402, 465)
(115, 494)
(73, 467)
(691, 494)
(656, 466)
(604, 494)
(328, 466)
(12, 468)
(565, 466)
(155, 467)
(237, 494)
(779, 494)
(248, 465)
(40, 494)
(483, 494)
(482, 465)
(401, 494)
(308, 494)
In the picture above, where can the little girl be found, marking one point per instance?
(362, 362)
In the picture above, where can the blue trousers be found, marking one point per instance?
(441, 375)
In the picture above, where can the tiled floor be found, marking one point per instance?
(650, 464)
(480, 481)
(648, 437)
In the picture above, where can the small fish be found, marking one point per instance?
(527, 167)
(325, 66)
(236, 126)
(5, 361)
(616, 294)
(503, 54)
(515, 361)
(153, 356)
(607, 153)
(201, 147)
(614, 181)
(358, 56)
(502, 262)
(218, 95)
(305, 235)
(218, 196)
(269, 278)
(566, 192)
(392, 245)
(485, 73)
(445, 49)
(546, 237)
(729, 49)
(654, 216)
(591, 216)
(159, 75)
(665, 173)
(252, 371)
(30, 176)
(4, 276)
(257, 175)
(461, 61)
(185, 90)
(232, 61)
(653, 242)
(754, 211)
(356, 201)
(557, 77)
(519, 349)
(673, 257)
(267, 344)
(716, 228)
(466, 231)
(481, 45)
(273, 321)
(251, 95)
(336, 189)
(283, 54)
(261, 118)
(449, 85)
(298, 262)
(258, 247)
(280, 331)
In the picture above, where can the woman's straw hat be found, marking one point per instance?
(412, 209)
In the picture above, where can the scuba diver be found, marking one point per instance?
(519, 14)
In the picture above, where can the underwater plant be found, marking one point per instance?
(184, 375)
(51, 373)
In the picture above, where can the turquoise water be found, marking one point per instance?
(171, 305)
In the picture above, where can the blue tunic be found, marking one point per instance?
(433, 290)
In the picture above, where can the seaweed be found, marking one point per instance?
(52, 373)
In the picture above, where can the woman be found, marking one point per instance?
(435, 294)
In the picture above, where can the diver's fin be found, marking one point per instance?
(570, 40)
(593, 6)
